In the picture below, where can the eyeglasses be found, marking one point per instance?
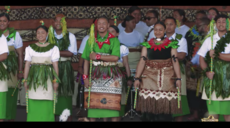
(148, 18)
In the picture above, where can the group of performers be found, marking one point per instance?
(177, 72)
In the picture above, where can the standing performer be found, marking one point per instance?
(193, 76)
(14, 64)
(123, 63)
(140, 25)
(4, 76)
(182, 51)
(67, 44)
(212, 13)
(151, 18)
(181, 28)
(105, 94)
(80, 73)
(220, 100)
(41, 77)
(155, 71)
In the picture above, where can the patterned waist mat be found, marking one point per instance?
(159, 64)
(105, 90)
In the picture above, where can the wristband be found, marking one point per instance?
(24, 80)
(84, 77)
(98, 57)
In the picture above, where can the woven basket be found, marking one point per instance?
(209, 119)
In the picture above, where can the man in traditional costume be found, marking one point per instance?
(41, 77)
(103, 96)
(4, 76)
(67, 45)
(14, 63)
(193, 77)
(170, 23)
(216, 93)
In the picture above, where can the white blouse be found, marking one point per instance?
(73, 42)
(140, 27)
(182, 44)
(17, 43)
(132, 39)
(3, 49)
(124, 51)
(182, 30)
(53, 53)
(82, 46)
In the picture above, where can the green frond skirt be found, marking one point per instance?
(40, 110)
(3, 96)
(63, 102)
(11, 105)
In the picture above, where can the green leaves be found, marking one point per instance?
(41, 49)
(146, 44)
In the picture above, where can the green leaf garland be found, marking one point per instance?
(41, 49)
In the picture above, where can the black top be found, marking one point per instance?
(191, 44)
(159, 55)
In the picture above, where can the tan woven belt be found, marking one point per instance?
(64, 58)
(155, 64)
(120, 64)
(101, 63)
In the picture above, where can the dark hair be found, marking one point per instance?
(220, 16)
(172, 18)
(132, 9)
(94, 19)
(115, 28)
(156, 14)
(127, 18)
(201, 12)
(160, 22)
(205, 20)
(217, 12)
(42, 26)
(103, 17)
(6, 15)
(181, 13)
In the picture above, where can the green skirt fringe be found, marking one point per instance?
(40, 110)
(39, 74)
(11, 63)
(66, 74)
(3, 97)
(221, 79)
(63, 102)
(11, 103)
(4, 74)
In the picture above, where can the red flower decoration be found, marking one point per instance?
(153, 45)
(100, 44)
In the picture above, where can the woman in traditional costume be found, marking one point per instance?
(4, 76)
(14, 63)
(124, 67)
(158, 93)
(41, 77)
